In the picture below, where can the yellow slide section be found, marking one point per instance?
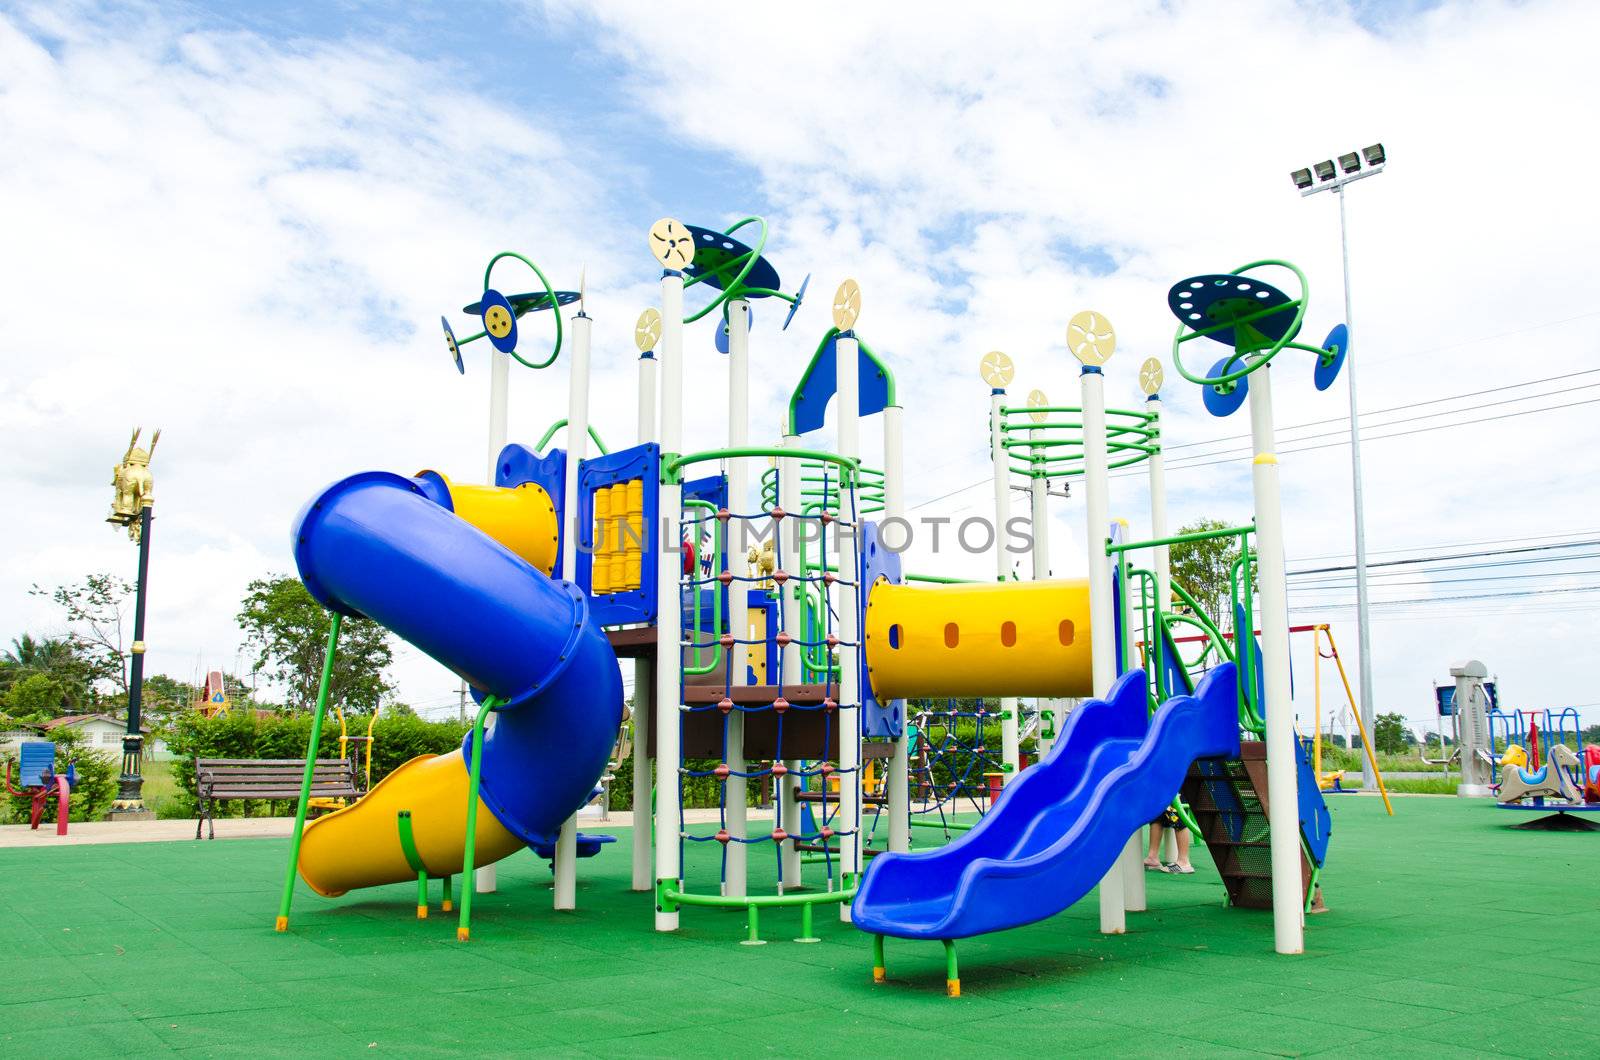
(359, 846)
(1003, 639)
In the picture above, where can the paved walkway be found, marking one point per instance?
(90, 833)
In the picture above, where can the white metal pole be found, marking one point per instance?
(643, 677)
(847, 365)
(788, 549)
(669, 616)
(566, 860)
(1039, 517)
(894, 535)
(1002, 565)
(1102, 631)
(1369, 780)
(737, 811)
(484, 877)
(1283, 818)
(1163, 565)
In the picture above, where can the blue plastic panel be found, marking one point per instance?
(821, 383)
(878, 718)
(1316, 823)
(641, 462)
(519, 464)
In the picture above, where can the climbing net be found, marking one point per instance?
(954, 750)
(813, 691)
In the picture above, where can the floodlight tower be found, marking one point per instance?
(1327, 178)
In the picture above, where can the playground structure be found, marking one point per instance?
(36, 773)
(774, 632)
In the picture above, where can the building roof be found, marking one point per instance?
(75, 720)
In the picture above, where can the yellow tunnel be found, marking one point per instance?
(1002, 639)
(522, 518)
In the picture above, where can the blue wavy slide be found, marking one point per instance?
(1060, 826)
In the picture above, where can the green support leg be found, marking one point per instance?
(753, 921)
(311, 768)
(422, 895)
(475, 774)
(880, 971)
(952, 976)
(446, 905)
(807, 933)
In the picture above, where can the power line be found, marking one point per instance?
(1442, 559)
(1320, 587)
(1424, 416)
(1459, 544)
(1402, 408)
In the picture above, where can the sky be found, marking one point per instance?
(240, 223)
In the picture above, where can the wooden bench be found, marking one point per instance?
(216, 779)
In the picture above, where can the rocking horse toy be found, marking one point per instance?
(37, 774)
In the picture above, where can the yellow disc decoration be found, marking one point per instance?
(1091, 338)
(647, 332)
(846, 305)
(1151, 376)
(1037, 400)
(996, 369)
(671, 243)
(497, 321)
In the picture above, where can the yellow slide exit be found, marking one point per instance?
(359, 846)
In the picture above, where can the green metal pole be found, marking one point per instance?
(311, 767)
(952, 975)
(422, 895)
(475, 775)
(446, 905)
(880, 971)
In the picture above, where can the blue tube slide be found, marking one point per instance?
(1057, 829)
(374, 545)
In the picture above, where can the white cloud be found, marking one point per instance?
(952, 162)
(244, 241)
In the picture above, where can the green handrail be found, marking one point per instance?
(474, 785)
(557, 425)
(312, 747)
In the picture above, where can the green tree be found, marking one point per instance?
(289, 631)
(1389, 734)
(1204, 567)
(96, 609)
(42, 679)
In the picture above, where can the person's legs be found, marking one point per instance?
(1183, 850)
(1152, 859)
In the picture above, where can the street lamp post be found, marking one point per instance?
(131, 508)
(1330, 178)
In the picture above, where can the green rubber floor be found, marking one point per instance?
(1449, 934)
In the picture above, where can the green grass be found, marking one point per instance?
(161, 790)
(159, 949)
(1440, 785)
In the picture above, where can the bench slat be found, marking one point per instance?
(268, 761)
